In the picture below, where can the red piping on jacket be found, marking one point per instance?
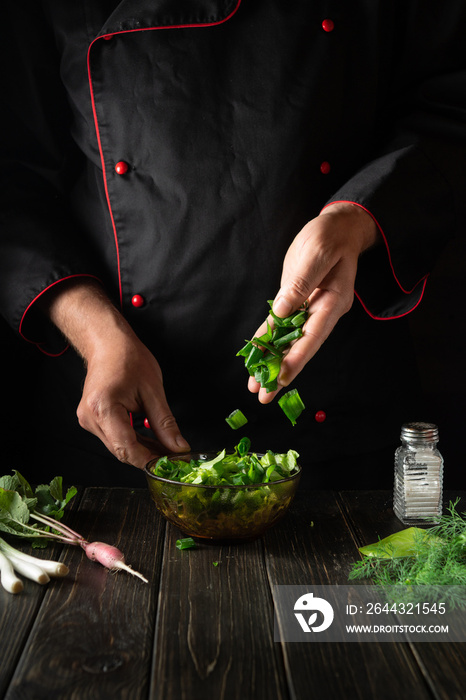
(29, 306)
(105, 36)
(405, 291)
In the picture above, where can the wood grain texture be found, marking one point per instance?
(442, 664)
(17, 612)
(204, 625)
(316, 547)
(93, 633)
(215, 626)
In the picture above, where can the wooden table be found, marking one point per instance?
(201, 630)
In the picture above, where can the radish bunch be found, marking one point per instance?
(19, 503)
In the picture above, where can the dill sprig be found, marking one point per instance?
(434, 558)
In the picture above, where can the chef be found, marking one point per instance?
(172, 165)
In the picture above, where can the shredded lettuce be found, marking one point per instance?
(240, 468)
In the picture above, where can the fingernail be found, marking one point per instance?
(181, 442)
(282, 307)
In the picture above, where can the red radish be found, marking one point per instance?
(105, 554)
(108, 556)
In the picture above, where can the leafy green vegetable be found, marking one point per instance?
(239, 468)
(186, 543)
(263, 356)
(19, 502)
(236, 419)
(400, 544)
(434, 558)
(291, 405)
(230, 496)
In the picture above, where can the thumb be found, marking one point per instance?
(162, 422)
(291, 296)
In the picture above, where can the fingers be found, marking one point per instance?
(112, 391)
(341, 232)
(326, 306)
(164, 425)
(306, 263)
(293, 293)
(113, 427)
(319, 268)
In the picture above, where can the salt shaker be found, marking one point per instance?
(418, 490)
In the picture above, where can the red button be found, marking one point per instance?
(320, 416)
(121, 167)
(328, 25)
(325, 168)
(108, 37)
(137, 300)
(146, 424)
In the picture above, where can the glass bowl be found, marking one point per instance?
(221, 513)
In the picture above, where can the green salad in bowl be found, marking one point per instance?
(224, 496)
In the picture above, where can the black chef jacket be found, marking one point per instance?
(172, 149)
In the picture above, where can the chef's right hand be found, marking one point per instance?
(319, 270)
(122, 377)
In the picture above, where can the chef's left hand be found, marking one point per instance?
(320, 269)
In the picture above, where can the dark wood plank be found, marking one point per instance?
(315, 546)
(93, 634)
(17, 612)
(442, 664)
(215, 626)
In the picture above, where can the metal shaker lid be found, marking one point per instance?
(419, 431)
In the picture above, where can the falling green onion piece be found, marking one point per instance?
(291, 405)
(236, 419)
(186, 543)
(243, 447)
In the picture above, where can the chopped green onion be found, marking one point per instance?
(236, 419)
(243, 446)
(299, 318)
(267, 371)
(291, 405)
(286, 339)
(254, 356)
(186, 543)
(245, 350)
(263, 355)
(267, 345)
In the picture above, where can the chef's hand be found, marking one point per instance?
(122, 375)
(320, 269)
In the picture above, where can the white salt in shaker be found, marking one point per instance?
(418, 490)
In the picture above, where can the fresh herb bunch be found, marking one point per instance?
(433, 559)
